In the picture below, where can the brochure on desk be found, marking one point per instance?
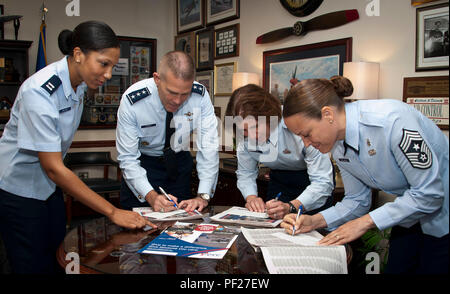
(208, 241)
(175, 215)
(243, 216)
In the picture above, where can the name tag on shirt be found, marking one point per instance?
(344, 159)
(148, 126)
(65, 109)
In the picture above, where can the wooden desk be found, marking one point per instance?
(105, 248)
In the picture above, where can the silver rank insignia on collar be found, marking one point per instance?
(372, 152)
(287, 151)
(368, 143)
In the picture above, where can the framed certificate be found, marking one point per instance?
(223, 78)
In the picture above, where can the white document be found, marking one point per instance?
(179, 214)
(241, 215)
(305, 260)
(299, 254)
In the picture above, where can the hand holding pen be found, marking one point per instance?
(168, 198)
(299, 212)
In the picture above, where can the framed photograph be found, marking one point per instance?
(206, 78)
(226, 42)
(137, 62)
(430, 96)
(186, 43)
(432, 37)
(223, 78)
(204, 55)
(190, 15)
(283, 68)
(221, 11)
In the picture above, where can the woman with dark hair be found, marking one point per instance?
(44, 119)
(382, 144)
(299, 175)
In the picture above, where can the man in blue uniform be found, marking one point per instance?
(154, 148)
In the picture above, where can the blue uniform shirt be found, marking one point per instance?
(44, 118)
(392, 147)
(286, 151)
(141, 130)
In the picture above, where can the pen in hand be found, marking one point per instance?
(299, 212)
(168, 198)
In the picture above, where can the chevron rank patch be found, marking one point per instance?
(137, 95)
(416, 150)
(198, 88)
(52, 84)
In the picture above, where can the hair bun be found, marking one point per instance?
(65, 42)
(342, 86)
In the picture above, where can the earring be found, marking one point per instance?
(78, 61)
(330, 121)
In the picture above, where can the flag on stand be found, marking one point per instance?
(41, 61)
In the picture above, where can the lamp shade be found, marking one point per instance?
(241, 79)
(364, 77)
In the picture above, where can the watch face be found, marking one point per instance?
(301, 7)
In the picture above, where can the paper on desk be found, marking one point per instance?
(242, 216)
(179, 214)
(278, 237)
(299, 254)
(305, 260)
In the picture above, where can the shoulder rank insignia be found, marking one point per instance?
(198, 88)
(415, 149)
(137, 95)
(52, 84)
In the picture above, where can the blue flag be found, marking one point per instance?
(41, 61)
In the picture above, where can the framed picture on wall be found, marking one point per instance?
(432, 48)
(206, 78)
(2, 31)
(226, 42)
(221, 11)
(190, 15)
(186, 43)
(283, 68)
(137, 62)
(204, 55)
(430, 96)
(223, 78)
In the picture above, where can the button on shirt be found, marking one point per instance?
(286, 151)
(39, 122)
(141, 130)
(392, 147)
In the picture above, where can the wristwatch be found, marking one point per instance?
(205, 196)
(292, 208)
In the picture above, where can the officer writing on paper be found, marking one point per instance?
(382, 144)
(44, 119)
(155, 120)
(299, 174)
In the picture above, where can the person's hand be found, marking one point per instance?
(255, 203)
(129, 219)
(305, 223)
(160, 203)
(349, 231)
(277, 209)
(128, 237)
(192, 204)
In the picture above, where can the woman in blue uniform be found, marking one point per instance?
(44, 119)
(382, 144)
(299, 175)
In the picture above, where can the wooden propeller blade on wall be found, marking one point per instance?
(322, 22)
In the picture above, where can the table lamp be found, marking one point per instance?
(241, 79)
(364, 77)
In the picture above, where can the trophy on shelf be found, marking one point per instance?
(15, 18)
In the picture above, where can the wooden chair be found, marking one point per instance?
(101, 185)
